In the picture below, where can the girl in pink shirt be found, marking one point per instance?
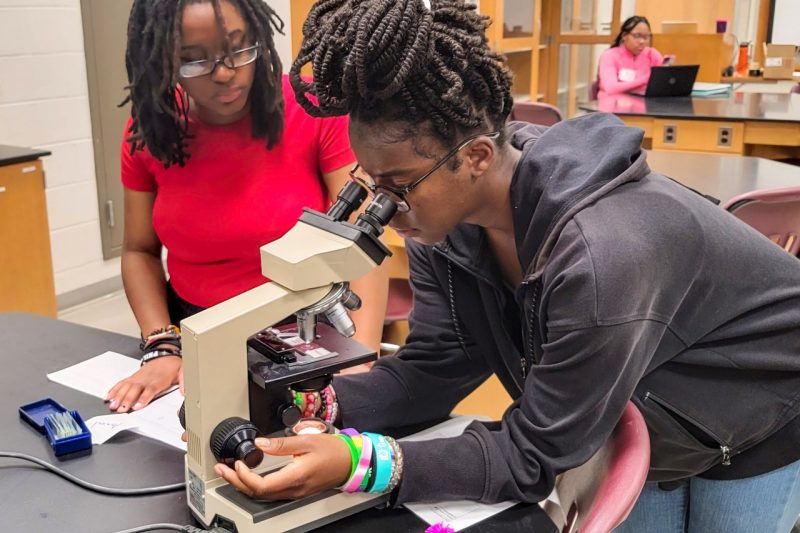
(626, 65)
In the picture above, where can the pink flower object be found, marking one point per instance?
(440, 528)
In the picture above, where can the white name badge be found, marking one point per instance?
(627, 74)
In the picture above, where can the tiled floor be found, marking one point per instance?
(110, 312)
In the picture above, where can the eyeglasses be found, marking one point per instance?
(205, 67)
(640, 36)
(398, 194)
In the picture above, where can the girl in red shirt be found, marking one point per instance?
(218, 159)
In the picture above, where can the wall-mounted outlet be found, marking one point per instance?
(670, 133)
(725, 136)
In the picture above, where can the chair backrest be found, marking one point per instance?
(536, 113)
(775, 213)
(597, 496)
(594, 89)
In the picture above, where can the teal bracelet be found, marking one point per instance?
(382, 472)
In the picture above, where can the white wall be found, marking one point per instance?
(283, 43)
(785, 29)
(44, 103)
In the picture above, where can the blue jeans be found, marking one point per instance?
(769, 503)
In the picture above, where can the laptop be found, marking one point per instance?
(672, 80)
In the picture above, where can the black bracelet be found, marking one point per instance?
(371, 470)
(160, 342)
(156, 354)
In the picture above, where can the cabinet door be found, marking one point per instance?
(515, 33)
(104, 32)
(26, 269)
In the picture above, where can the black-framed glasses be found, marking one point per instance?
(398, 194)
(206, 67)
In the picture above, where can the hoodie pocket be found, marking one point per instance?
(680, 446)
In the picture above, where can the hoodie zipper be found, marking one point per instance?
(725, 448)
(523, 360)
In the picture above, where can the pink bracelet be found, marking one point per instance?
(357, 478)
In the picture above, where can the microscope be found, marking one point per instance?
(243, 361)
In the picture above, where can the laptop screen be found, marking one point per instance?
(672, 80)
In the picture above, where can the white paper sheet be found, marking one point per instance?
(96, 376)
(460, 514)
(159, 420)
(456, 514)
(104, 427)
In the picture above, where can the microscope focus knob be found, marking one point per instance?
(232, 440)
(290, 415)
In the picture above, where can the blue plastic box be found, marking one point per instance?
(35, 414)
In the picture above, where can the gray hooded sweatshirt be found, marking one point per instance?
(636, 288)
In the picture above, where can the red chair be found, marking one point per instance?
(598, 496)
(400, 300)
(536, 113)
(775, 213)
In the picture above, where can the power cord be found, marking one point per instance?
(160, 527)
(119, 492)
(97, 488)
(174, 527)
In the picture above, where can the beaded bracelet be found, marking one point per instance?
(169, 332)
(322, 404)
(397, 464)
(330, 406)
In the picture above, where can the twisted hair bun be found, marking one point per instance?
(397, 60)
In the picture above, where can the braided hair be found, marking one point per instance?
(397, 61)
(627, 27)
(160, 111)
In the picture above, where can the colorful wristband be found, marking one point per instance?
(382, 472)
(354, 455)
(358, 476)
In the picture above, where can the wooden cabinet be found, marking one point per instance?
(712, 51)
(515, 33)
(26, 269)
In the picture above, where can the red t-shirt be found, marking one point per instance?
(233, 196)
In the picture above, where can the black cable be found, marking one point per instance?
(174, 527)
(157, 527)
(91, 486)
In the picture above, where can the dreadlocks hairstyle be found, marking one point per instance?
(397, 60)
(627, 27)
(159, 111)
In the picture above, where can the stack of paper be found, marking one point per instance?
(710, 89)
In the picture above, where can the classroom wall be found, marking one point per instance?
(44, 103)
(704, 12)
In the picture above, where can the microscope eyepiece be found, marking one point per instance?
(348, 200)
(377, 214)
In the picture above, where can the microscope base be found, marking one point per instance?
(224, 506)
